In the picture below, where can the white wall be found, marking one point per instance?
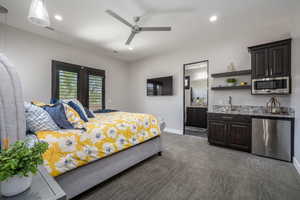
(219, 54)
(296, 93)
(296, 83)
(32, 55)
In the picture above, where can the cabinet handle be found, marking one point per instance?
(227, 117)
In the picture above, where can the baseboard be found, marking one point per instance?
(296, 164)
(174, 131)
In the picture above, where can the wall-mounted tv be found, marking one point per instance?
(162, 86)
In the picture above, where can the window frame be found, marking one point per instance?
(82, 82)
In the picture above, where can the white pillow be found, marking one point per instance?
(37, 119)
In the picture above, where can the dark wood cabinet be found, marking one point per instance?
(279, 60)
(239, 136)
(271, 60)
(232, 131)
(217, 132)
(196, 116)
(259, 62)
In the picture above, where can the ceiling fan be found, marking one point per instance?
(135, 29)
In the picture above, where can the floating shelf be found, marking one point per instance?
(235, 73)
(239, 87)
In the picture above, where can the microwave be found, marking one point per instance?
(278, 85)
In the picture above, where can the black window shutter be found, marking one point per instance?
(68, 84)
(83, 83)
(95, 96)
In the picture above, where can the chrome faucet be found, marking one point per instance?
(230, 102)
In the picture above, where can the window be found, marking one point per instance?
(83, 83)
(95, 92)
(68, 86)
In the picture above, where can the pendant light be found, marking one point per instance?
(38, 13)
(4, 12)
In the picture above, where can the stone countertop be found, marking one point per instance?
(196, 106)
(252, 111)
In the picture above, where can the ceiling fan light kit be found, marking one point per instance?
(38, 13)
(135, 29)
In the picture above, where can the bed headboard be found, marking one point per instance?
(12, 115)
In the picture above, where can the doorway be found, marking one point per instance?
(195, 98)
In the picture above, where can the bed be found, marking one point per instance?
(125, 139)
(91, 172)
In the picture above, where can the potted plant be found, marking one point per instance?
(18, 163)
(231, 82)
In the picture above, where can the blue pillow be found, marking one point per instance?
(105, 111)
(78, 109)
(54, 101)
(89, 113)
(57, 113)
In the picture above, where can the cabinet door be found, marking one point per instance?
(197, 117)
(279, 64)
(239, 136)
(191, 117)
(217, 132)
(259, 62)
(203, 117)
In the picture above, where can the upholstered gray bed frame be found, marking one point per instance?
(83, 178)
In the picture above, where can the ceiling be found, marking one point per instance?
(86, 24)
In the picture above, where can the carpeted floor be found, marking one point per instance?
(190, 169)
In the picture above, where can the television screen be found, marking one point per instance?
(160, 86)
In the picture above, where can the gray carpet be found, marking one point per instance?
(191, 169)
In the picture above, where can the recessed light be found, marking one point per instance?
(58, 17)
(213, 18)
(130, 48)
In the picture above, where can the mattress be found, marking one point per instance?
(106, 134)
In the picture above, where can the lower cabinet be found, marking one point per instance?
(232, 131)
(196, 116)
(217, 132)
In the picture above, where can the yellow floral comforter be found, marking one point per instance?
(106, 134)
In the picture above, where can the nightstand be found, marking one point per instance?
(43, 187)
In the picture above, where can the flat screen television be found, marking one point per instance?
(162, 86)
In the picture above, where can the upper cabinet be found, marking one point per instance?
(259, 63)
(271, 60)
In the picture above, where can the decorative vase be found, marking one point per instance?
(15, 185)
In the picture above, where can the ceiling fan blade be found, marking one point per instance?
(167, 28)
(3, 10)
(116, 16)
(50, 28)
(130, 38)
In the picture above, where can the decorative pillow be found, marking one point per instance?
(39, 103)
(57, 112)
(89, 113)
(38, 119)
(73, 117)
(76, 105)
(105, 111)
(55, 101)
